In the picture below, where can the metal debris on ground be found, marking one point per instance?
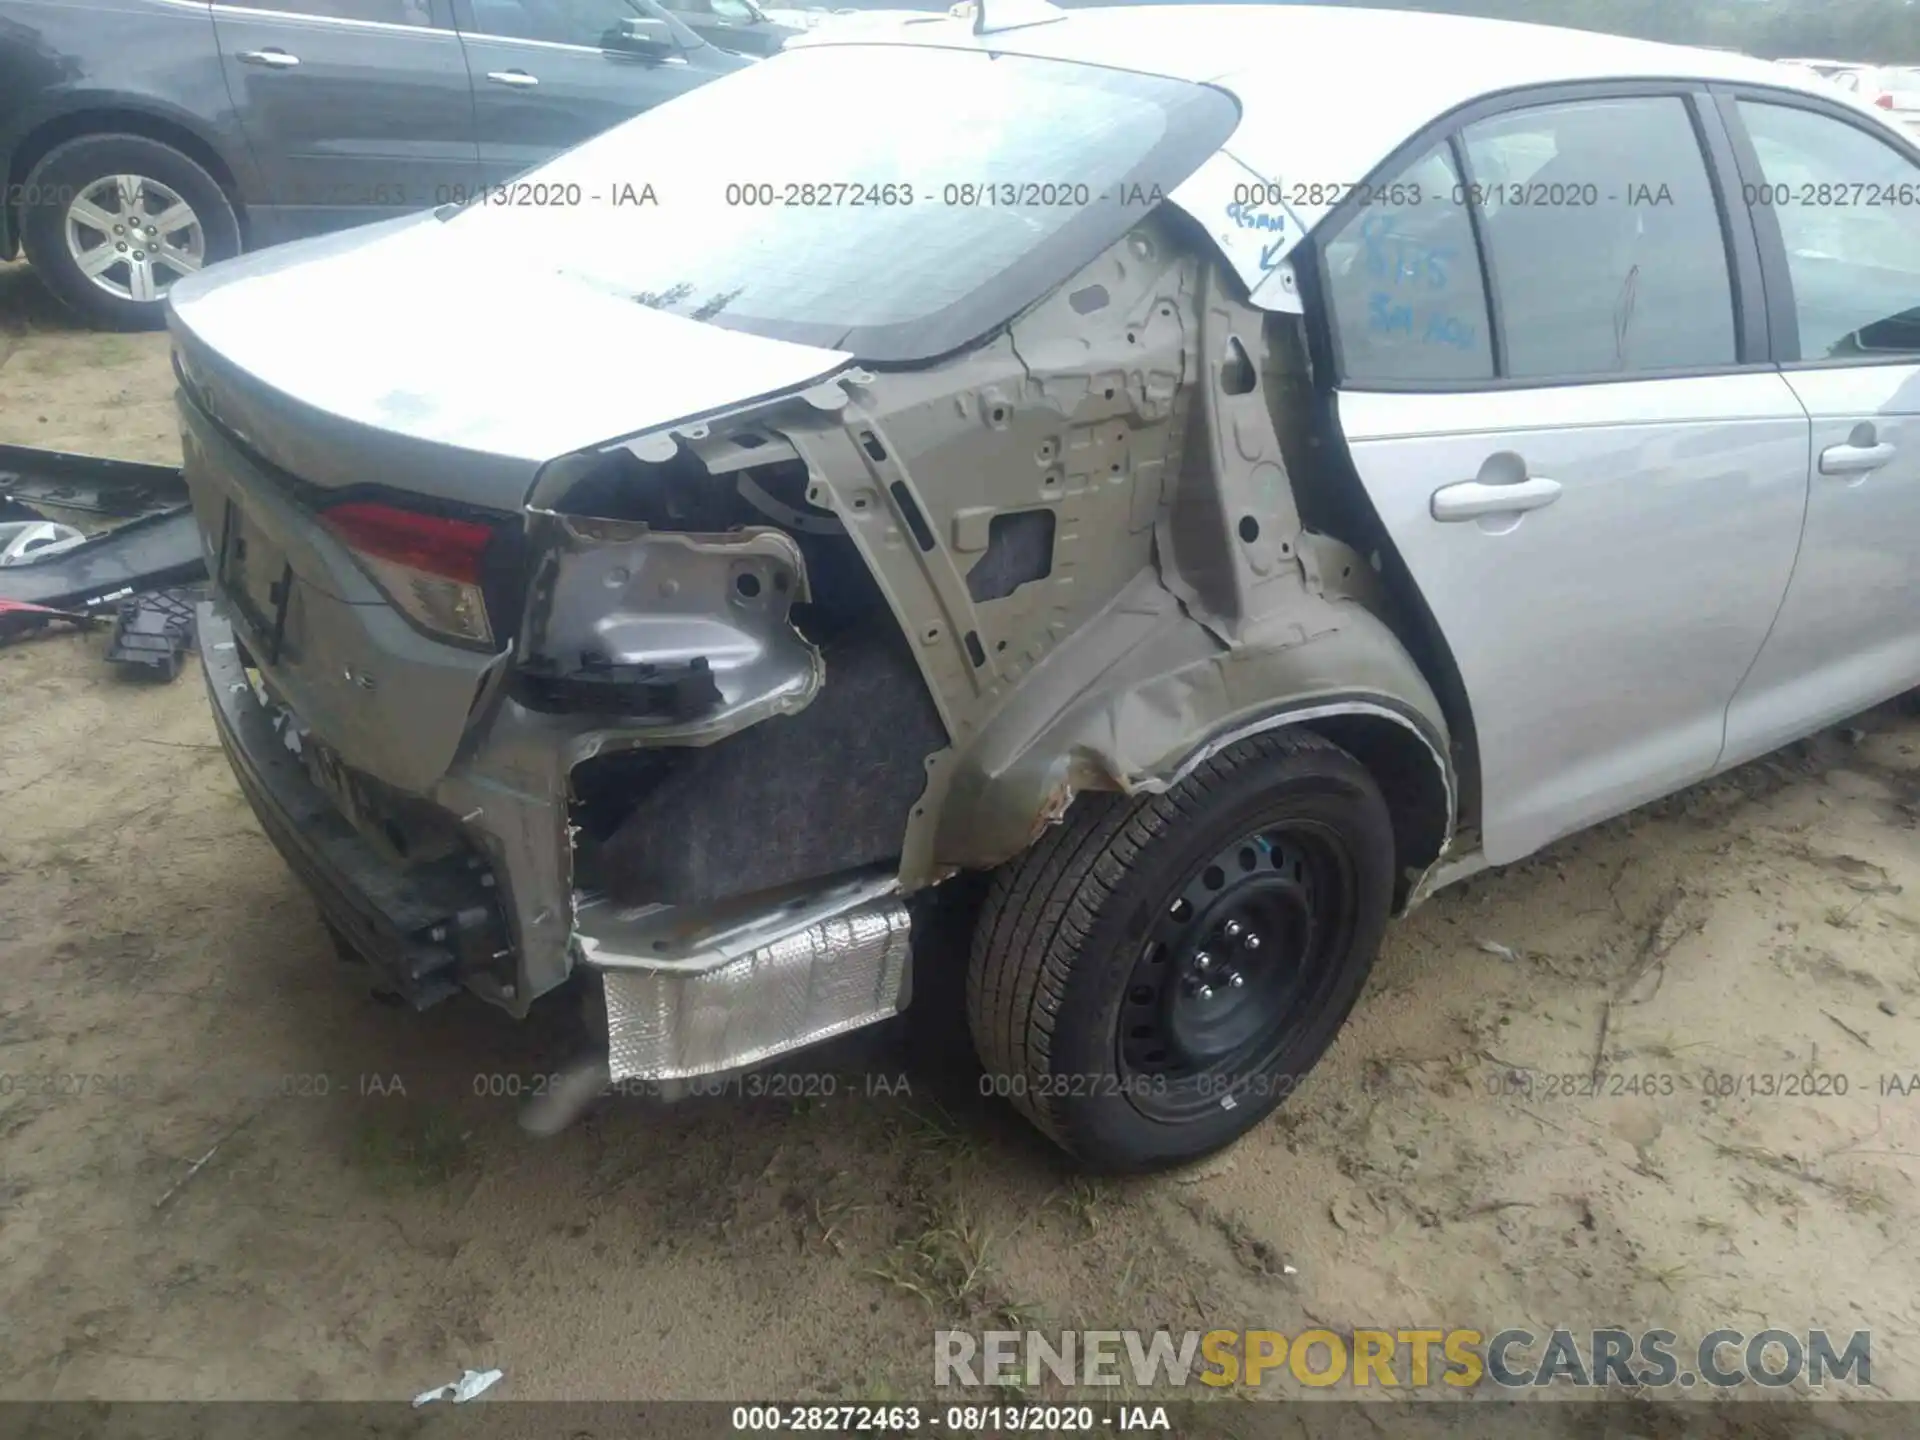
(472, 1383)
(88, 483)
(152, 633)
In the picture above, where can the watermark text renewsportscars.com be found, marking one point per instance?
(1404, 1358)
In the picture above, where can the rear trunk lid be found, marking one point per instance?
(415, 354)
(390, 366)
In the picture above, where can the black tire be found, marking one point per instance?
(75, 168)
(1075, 955)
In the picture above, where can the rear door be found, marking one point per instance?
(548, 74)
(1554, 387)
(1836, 204)
(355, 110)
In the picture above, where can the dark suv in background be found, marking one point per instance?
(141, 140)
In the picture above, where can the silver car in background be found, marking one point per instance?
(1108, 453)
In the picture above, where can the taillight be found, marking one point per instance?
(429, 565)
(1883, 100)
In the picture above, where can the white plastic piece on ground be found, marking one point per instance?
(836, 974)
(472, 1383)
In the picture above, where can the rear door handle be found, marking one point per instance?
(1470, 499)
(518, 78)
(1854, 459)
(273, 59)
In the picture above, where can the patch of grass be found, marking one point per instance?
(417, 1150)
(931, 1130)
(945, 1264)
(1082, 1199)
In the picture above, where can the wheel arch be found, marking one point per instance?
(113, 118)
(1145, 695)
(1405, 757)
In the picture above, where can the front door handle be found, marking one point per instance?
(1854, 459)
(273, 59)
(517, 78)
(1470, 499)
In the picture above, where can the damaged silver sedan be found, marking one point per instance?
(1092, 450)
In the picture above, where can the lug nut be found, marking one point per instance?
(1203, 961)
(1232, 929)
(1236, 980)
(1205, 992)
(1251, 941)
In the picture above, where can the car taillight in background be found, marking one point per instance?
(1884, 100)
(428, 565)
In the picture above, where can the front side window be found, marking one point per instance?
(383, 12)
(1404, 285)
(1603, 237)
(1848, 207)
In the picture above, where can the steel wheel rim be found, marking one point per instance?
(132, 237)
(1241, 959)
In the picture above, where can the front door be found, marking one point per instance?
(1595, 482)
(355, 110)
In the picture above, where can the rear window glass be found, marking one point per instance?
(910, 200)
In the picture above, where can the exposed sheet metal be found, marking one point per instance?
(725, 1006)
(619, 594)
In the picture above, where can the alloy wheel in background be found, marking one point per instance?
(133, 237)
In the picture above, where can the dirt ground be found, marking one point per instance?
(371, 1219)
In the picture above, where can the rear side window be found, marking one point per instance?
(1848, 208)
(1404, 285)
(1603, 237)
(1594, 222)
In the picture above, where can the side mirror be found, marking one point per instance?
(642, 35)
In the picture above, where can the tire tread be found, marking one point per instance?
(1041, 908)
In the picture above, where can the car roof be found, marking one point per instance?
(1327, 92)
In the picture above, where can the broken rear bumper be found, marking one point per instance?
(416, 929)
(690, 991)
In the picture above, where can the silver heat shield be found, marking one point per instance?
(753, 990)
